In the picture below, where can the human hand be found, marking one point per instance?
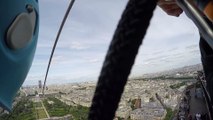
(170, 7)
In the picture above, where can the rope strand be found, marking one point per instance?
(56, 41)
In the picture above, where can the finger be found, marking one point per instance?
(163, 2)
(175, 12)
(166, 0)
(168, 7)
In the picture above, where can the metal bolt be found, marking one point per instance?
(29, 8)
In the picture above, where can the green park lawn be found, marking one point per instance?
(40, 113)
(59, 108)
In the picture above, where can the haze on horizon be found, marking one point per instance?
(170, 42)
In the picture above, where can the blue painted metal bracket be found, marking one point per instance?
(14, 63)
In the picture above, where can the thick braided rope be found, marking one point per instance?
(120, 58)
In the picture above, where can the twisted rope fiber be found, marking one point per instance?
(120, 58)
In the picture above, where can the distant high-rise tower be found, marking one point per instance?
(39, 84)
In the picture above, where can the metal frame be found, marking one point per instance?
(198, 18)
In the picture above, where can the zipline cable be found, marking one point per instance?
(56, 41)
(120, 58)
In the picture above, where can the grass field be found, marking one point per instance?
(60, 109)
(37, 104)
(57, 109)
(40, 113)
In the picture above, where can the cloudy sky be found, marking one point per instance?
(170, 42)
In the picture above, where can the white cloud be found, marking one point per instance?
(78, 46)
(170, 41)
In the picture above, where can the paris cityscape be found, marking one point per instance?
(144, 98)
(166, 81)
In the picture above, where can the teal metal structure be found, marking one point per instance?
(18, 39)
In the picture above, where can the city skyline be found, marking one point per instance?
(170, 42)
